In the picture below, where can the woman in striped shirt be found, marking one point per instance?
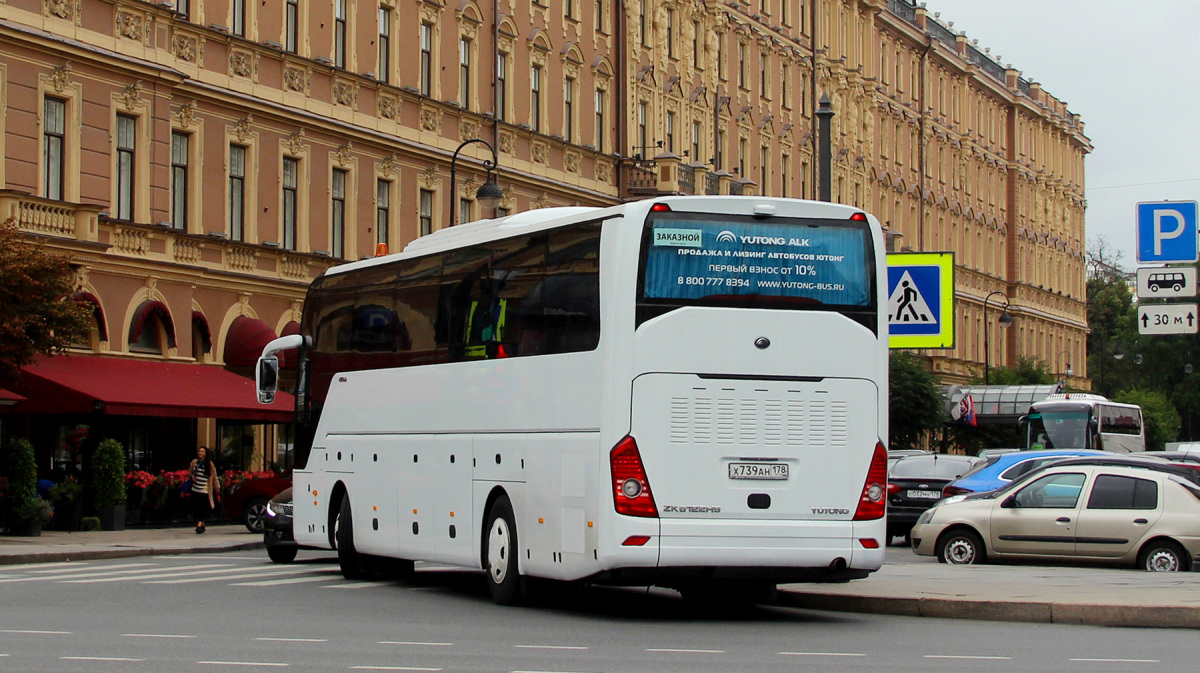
(205, 485)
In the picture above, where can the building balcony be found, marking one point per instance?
(667, 174)
(66, 225)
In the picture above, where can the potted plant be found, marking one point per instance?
(108, 475)
(68, 503)
(27, 512)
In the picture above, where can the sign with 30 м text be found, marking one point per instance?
(1167, 319)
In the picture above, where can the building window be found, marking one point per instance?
(696, 37)
(535, 98)
(183, 7)
(180, 143)
(742, 157)
(126, 146)
(600, 15)
(427, 59)
(426, 212)
(721, 56)
(763, 76)
(599, 120)
(339, 33)
(501, 86)
(720, 149)
(385, 44)
(642, 22)
(54, 127)
(785, 174)
(237, 192)
(291, 183)
(643, 139)
(670, 33)
(762, 170)
(569, 8)
(696, 142)
(501, 212)
(785, 85)
(741, 65)
(239, 17)
(464, 72)
(569, 109)
(464, 211)
(383, 210)
(291, 36)
(670, 131)
(337, 218)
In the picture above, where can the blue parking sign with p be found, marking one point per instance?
(1167, 231)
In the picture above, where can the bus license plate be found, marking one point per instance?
(758, 471)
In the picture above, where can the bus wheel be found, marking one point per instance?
(500, 553)
(349, 559)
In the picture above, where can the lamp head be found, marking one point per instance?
(489, 194)
(1005, 319)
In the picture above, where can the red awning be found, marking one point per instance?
(8, 398)
(128, 387)
(245, 341)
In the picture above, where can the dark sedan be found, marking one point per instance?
(915, 484)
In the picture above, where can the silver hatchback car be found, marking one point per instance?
(1105, 513)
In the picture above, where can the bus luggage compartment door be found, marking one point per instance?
(755, 449)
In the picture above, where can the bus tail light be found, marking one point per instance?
(660, 208)
(859, 217)
(631, 488)
(872, 505)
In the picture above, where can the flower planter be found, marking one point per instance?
(27, 528)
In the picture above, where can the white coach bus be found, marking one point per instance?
(687, 392)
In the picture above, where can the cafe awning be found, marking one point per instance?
(998, 405)
(75, 384)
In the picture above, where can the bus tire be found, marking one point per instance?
(349, 560)
(500, 553)
(281, 554)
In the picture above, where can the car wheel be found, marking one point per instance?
(349, 560)
(1177, 287)
(961, 547)
(1162, 556)
(254, 515)
(282, 554)
(500, 553)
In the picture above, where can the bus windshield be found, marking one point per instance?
(699, 260)
(1059, 429)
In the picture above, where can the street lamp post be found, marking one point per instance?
(1068, 372)
(488, 194)
(1005, 320)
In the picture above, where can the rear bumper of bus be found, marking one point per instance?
(774, 551)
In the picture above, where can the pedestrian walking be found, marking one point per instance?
(206, 487)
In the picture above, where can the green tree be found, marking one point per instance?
(1159, 415)
(1029, 371)
(915, 404)
(1111, 319)
(37, 315)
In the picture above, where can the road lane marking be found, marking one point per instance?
(550, 647)
(286, 580)
(674, 650)
(1119, 661)
(99, 659)
(351, 585)
(392, 668)
(546, 672)
(411, 642)
(84, 567)
(965, 656)
(142, 573)
(235, 575)
(36, 633)
(293, 640)
(156, 635)
(241, 663)
(822, 654)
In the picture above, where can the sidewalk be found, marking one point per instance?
(58, 546)
(906, 585)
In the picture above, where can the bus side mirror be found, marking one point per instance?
(1022, 420)
(266, 377)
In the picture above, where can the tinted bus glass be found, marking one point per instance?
(742, 262)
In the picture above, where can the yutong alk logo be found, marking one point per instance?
(726, 236)
(830, 510)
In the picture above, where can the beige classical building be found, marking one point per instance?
(202, 160)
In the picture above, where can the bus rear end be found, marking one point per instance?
(758, 403)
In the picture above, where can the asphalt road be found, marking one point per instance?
(239, 612)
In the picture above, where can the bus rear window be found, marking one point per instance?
(707, 260)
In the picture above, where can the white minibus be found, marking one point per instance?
(688, 392)
(1084, 421)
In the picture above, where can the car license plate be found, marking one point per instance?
(758, 471)
(925, 495)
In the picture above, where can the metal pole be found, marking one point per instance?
(488, 165)
(825, 152)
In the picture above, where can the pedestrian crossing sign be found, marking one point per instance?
(920, 300)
